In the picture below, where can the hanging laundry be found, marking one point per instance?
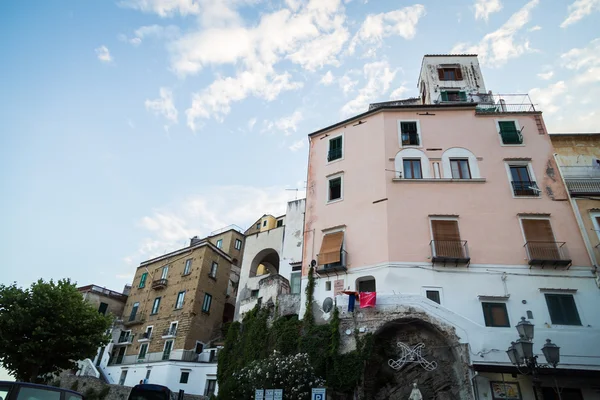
(351, 300)
(368, 299)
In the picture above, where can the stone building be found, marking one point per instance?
(453, 212)
(105, 300)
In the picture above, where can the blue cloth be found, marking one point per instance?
(351, 302)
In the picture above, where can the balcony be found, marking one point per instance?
(541, 254)
(334, 154)
(504, 103)
(144, 337)
(525, 188)
(582, 180)
(334, 267)
(159, 284)
(450, 252)
(134, 319)
(124, 340)
(169, 333)
(207, 356)
(511, 137)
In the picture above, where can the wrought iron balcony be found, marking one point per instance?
(450, 251)
(159, 284)
(511, 137)
(334, 154)
(333, 267)
(526, 188)
(145, 336)
(134, 319)
(504, 103)
(125, 339)
(547, 253)
(169, 332)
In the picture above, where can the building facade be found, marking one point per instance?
(171, 324)
(454, 213)
(271, 271)
(105, 300)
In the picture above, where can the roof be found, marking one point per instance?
(101, 290)
(202, 243)
(450, 55)
(395, 107)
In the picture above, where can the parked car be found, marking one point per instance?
(151, 392)
(32, 391)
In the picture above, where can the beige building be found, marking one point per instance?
(578, 156)
(106, 301)
(180, 300)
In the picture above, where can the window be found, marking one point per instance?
(332, 252)
(102, 309)
(279, 223)
(510, 133)
(450, 74)
(199, 347)
(295, 282)
(148, 374)
(143, 351)
(172, 331)
(143, 280)
(328, 286)
(207, 302)
(335, 189)
(433, 295)
(188, 267)
(254, 293)
(165, 272)
(335, 149)
(454, 95)
(123, 377)
(213, 270)
(148, 333)
(556, 393)
(539, 240)
(167, 349)
(258, 226)
(155, 306)
(562, 308)
(412, 168)
(521, 181)
(366, 284)
(210, 387)
(220, 243)
(446, 239)
(409, 133)
(495, 315)
(238, 244)
(264, 223)
(460, 168)
(134, 310)
(27, 393)
(179, 302)
(184, 377)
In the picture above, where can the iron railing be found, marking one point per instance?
(159, 283)
(333, 267)
(134, 319)
(173, 355)
(170, 332)
(512, 136)
(589, 187)
(456, 251)
(145, 336)
(410, 139)
(547, 253)
(125, 339)
(334, 154)
(504, 103)
(525, 188)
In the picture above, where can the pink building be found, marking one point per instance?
(451, 208)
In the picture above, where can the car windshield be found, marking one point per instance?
(4, 389)
(145, 394)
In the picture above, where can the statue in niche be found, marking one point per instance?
(415, 393)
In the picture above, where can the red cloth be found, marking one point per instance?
(368, 299)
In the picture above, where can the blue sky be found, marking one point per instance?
(129, 126)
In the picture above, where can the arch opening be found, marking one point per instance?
(264, 263)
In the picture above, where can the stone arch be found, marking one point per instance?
(459, 152)
(412, 153)
(450, 378)
(267, 260)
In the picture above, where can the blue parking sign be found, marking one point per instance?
(318, 394)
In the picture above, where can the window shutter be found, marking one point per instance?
(331, 248)
(441, 74)
(444, 96)
(537, 230)
(445, 230)
(458, 74)
(463, 96)
(507, 126)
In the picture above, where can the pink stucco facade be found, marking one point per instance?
(387, 219)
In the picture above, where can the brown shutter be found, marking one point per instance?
(446, 238)
(441, 74)
(458, 74)
(331, 248)
(540, 240)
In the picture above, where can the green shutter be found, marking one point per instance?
(143, 280)
(444, 96)
(463, 96)
(507, 126)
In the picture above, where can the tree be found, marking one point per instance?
(46, 328)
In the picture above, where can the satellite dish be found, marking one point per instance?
(328, 304)
(313, 263)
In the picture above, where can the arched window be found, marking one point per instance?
(459, 163)
(366, 284)
(412, 164)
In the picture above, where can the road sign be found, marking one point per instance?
(269, 394)
(278, 394)
(259, 394)
(318, 394)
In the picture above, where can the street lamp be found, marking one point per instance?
(521, 354)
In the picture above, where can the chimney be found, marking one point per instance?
(127, 290)
(194, 240)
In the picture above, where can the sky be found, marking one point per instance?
(129, 126)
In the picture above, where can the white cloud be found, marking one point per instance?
(251, 123)
(164, 8)
(534, 28)
(170, 227)
(497, 47)
(546, 75)
(546, 98)
(379, 77)
(327, 79)
(347, 84)
(287, 125)
(164, 105)
(297, 145)
(157, 31)
(580, 9)
(376, 27)
(483, 8)
(103, 54)
(398, 93)
(585, 57)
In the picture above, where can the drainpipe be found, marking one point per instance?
(577, 214)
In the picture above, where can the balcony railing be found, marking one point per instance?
(582, 180)
(525, 188)
(547, 253)
(334, 267)
(334, 154)
(410, 139)
(511, 137)
(145, 336)
(134, 319)
(504, 103)
(173, 355)
(169, 332)
(159, 284)
(450, 251)
(125, 339)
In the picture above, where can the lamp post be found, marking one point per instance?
(521, 354)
